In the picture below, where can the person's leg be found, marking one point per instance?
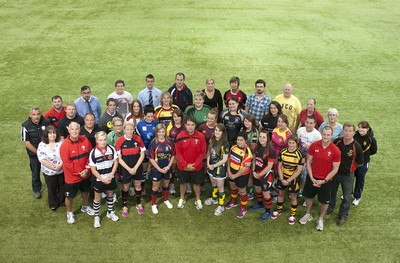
(197, 191)
(35, 170)
(347, 186)
(280, 200)
(60, 189)
(138, 192)
(96, 203)
(221, 192)
(359, 176)
(293, 204)
(68, 204)
(154, 192)
(335, 186)
(51, 182)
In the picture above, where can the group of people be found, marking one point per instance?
(264, 148)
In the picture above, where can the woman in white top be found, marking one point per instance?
(48, 153)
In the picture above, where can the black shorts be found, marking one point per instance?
(126, 178)
(241, 181)
(156, 176)
(70, 190)
(100, 187)
(266, 182)
(324, 192)
(193, 177)
(293, 187)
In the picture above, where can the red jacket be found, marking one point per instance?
(190, 149)
(75, 157)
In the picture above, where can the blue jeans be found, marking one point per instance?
(346, 181)
(359, 175)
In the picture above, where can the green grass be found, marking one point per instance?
(343, 53)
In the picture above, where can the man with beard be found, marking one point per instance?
(257, 103)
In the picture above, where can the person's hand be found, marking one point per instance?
(84, 173)
(132, 171)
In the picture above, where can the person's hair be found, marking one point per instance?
(190, 118)
(267, 147)
(333, 111)
(34, 108)
(199, 94)
(56, 97)
(284, 118)
(111, 99)
(129, 124)
(166, 93)
(235, 79)
(210, 79)
(235, 100)
(89, 113)
(311, 117)
(222, 141)
(85, 87)
(115, 119)
(119, 81)
(327, 127)
(214, 111)
(294, 138)
(364, 124)
(277, 105)
(74, 123)
(178, 113)
(261, 81)
(314, 100)
(160, 127)
(148, 109)
(242, 134)
(140, 108)
(45, 134)
(99, 134)
(349, 124)
(251, 119)
(149, 76)
(180, 74)
(70, 103)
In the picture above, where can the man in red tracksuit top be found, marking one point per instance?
(190, 146)
(74, 153)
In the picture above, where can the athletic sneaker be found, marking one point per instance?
(305, 204)
(265, 216)
(37, 195)
(250, 194)
(320, 224)
(211, 201)
(154, 209)
(198, 204)
(275, 214)
(112, 216)
(188, 188)
(241, 213)
(88, 210)
(306, 218)
(219, 210)
(300, 193)
(125, 212)
(103, 195)
(230, 204)
(140, 209)
(71, 218)
(356, 201)
(341, 220)
(257, 206)
(181, 204)
(168, 204)
(172, 189)
(96, 222)
(291, 220)
(131, 191)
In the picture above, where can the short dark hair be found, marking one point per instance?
(85, 87)
(149, 76)
(242, 134)
(111, 99)
(180, 74)
(190, 118)
(119, 81)
(235, 79)
(148, 109)
(260, 81)
(56, 97)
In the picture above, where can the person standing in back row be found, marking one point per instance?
(291, 107)
(235, 93)
(258, 103)
(88, 104)
(181, 94)
(150, 95)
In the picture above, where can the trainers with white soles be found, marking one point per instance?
(320, 224)
(181, 204)
(211, 201)
(96, 222)
(154, 209)
(306, 218)
(112, 216)
(168, 204)
(198, 204)
(219, 210)
(71, 218)
(88, 210)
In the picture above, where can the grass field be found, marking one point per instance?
(343, 53)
